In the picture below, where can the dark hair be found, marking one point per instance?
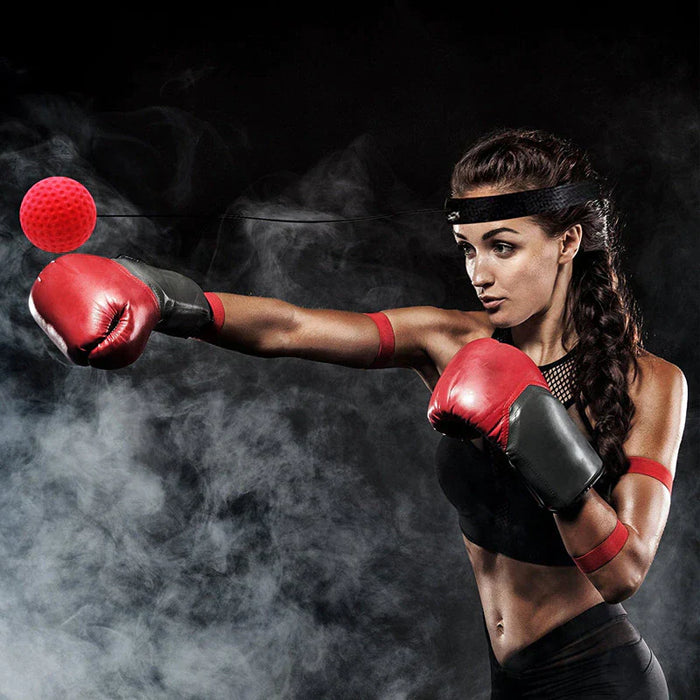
(600, 307)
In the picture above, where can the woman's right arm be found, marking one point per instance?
(268, 327)
(101, 312)
(425, 337)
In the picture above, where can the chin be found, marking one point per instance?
(500, 320)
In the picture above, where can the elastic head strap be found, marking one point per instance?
(473, 210)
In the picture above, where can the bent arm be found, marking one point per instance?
(640, 503)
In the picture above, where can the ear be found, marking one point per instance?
(570, 242)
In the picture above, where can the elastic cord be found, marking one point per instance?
(608, 549)
(387, 341)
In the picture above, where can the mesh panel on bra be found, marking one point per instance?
(559, 374)
(560, 379)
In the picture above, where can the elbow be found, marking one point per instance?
(618, 594)
(622, 588)
(278, 336)
(627, 571)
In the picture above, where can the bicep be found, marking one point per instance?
(659, 420)
(643, 502)
(268, 327)
(327, 335)
(353, 339)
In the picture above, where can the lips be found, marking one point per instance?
(491, 302)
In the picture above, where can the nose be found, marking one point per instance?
(480, 272)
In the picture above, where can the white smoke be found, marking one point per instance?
(208, 524)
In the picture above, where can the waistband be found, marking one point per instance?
(544, 647)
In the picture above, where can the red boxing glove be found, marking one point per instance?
(94, 310)
(101, 312)
(497, 390)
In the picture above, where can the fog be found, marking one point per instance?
(207, 524)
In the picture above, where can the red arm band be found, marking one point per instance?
(217, 309)
(605, 551)
(650, 467)
(218, 315)
(386, 340)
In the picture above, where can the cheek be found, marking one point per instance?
(530, 283)
(531, 274)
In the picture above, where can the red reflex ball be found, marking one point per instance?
(57, 214)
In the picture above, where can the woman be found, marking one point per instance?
(558, 533)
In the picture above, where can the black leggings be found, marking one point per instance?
(597, 654)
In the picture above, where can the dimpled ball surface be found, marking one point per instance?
(58, 214)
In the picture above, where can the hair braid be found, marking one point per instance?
(604, 317)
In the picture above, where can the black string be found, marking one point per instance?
(265, 218)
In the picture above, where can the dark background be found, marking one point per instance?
(204, 524)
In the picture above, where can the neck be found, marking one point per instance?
(541, 337)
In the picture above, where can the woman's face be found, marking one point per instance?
(512, 264)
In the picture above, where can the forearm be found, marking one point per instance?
(583, 530)
(268, 327)
(255, 325)
(101, 312)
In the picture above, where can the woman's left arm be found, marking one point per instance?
(625, 534)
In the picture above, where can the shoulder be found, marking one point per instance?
(451, 331)
(660, 395)
(427, 337)
(657, 381)
(463, 325)
(426, 325)
(436, 317)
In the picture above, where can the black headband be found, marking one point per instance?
(473, 210)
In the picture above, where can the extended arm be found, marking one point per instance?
(101, 312)
(269, 327)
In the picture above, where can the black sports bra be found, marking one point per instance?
(496, 510)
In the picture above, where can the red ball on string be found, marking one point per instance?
(58, 214)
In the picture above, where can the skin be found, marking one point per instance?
(532, 272)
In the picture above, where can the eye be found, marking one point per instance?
(503, 248)
(465, 248)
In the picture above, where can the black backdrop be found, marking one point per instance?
(204, 524)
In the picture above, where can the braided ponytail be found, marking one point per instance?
(604, 318)
(600, 308)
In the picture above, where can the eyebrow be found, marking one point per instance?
(491, 233)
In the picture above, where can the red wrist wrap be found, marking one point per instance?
(217, 309)
(218, 314)
(650, 467)
(387, 341)
(605, 551)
